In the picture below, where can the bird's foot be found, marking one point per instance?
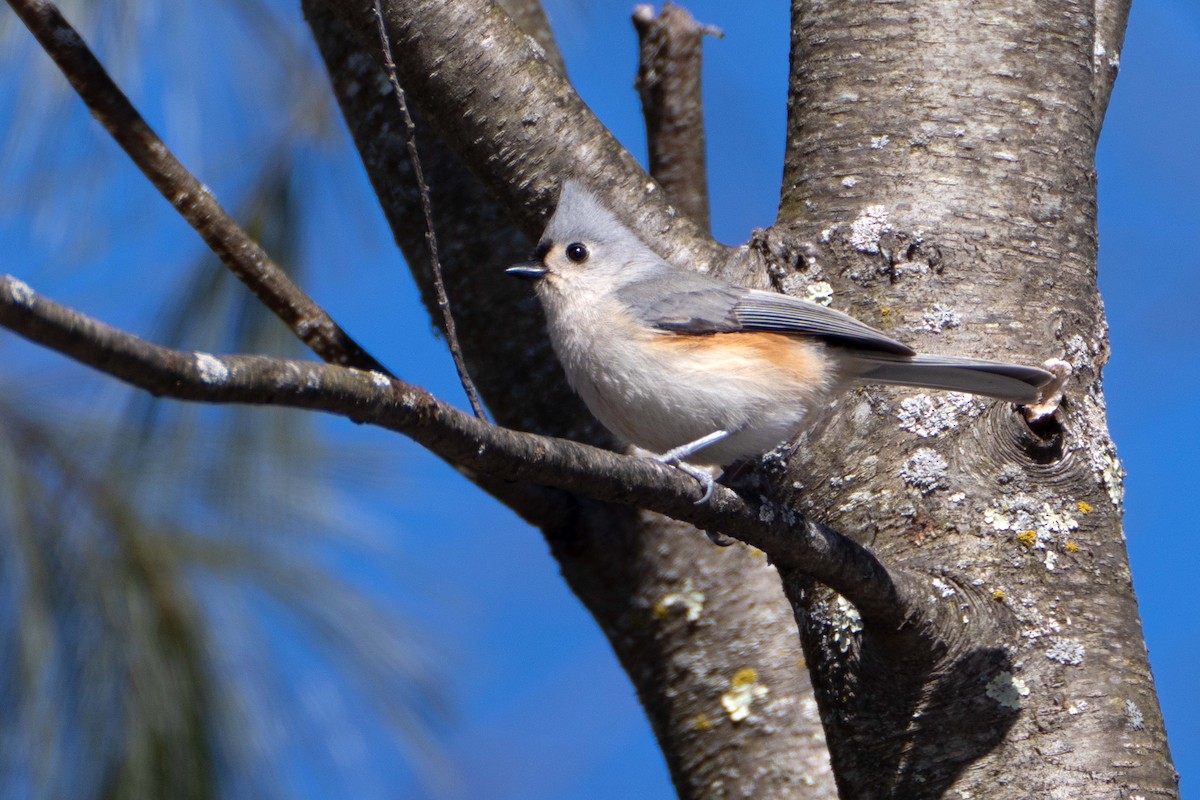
(699, 473)
(675, 458)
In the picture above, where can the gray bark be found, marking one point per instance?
(940, 170)
(983, 639)
(628, 569)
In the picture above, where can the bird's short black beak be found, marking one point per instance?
(529, 270)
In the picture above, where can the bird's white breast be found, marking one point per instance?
(659, 390)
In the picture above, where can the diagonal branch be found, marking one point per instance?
(244, 256)
(891, 599)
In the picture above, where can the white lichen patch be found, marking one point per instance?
(212, 369)
(838, 481)
(847, 624)
(904, 269)
(849, 182)
(856, 500)
(868, 228)
(1056, 523)
(1078, 351)
(744, 689)
(927, 417)
(1007, 690)
(1037, 524)
(21, 292)
(1065, 651)
(925, 470)
(379, 379)
(938, 318)
(1039, 626)
(1134, 715)
(819, 292)
(1102, 454)
(796, 283)
(686, 597)
(1014, 513)
(1098, 58)
(880, 142)
(944, 589)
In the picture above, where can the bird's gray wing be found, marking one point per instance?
(688, 302)
(684, 302)
(769, 311)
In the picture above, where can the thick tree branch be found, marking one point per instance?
(942, 164)
(311, 324)
(445, 52)
(889, 600)
(670, 56)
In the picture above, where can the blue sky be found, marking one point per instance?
(543, 710)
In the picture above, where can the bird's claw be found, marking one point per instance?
(700, 474)
(704, 476)
(675, 458)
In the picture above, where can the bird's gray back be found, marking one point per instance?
(692, 303)
(684, 302)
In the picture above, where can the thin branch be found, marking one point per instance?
(670, 56)
(888, 598)
(410, 138)
(311, 324)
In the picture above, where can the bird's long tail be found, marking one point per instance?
(1011, 382)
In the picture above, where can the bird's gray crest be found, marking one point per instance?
(580, 216)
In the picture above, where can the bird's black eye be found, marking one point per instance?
(577, 252)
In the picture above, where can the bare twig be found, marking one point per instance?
(311, 324)
(410, 138)
(669, 68)
(888, 598)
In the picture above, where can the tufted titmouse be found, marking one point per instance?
(698, 370)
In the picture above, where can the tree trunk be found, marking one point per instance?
(939, 180)
(639, 574)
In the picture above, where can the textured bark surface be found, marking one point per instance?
(640, 575)
(983, 640)
(939, 179)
